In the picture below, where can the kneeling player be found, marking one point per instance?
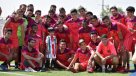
(64, 55)
(6, 50)
(106, 53)
(31, 58)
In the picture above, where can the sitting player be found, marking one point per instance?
(6, 50)
(106, 53)
(64, 55)
(83, 54)
(31, 58)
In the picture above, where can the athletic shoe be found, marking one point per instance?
(4, 67)
(90, 70)
(29, 69)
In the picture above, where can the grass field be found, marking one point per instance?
(61, 73)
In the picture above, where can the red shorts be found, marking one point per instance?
(84, 65)
(3, 58)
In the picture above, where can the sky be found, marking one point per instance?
(8, 6)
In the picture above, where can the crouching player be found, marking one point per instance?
(106, 53)
(83, 54)
(6, 50)
(64, 55)
(31, 58)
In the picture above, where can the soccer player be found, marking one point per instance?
(98, 26)
(123, 35)
(84, 32)
(106, 53)
(51, 49)
(62, 33)
(88, 17)
(83, 54)
(117, 16)
(33, 34)
(131, 22)
(7, 53)
(31, 58)
(95, 40)
(13, 23)
(82, 12)
(73, 25)
(64, 55)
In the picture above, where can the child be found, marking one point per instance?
(51, 45)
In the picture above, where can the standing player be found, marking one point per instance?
(73, 25)
(84, 32)
(117, 16)
(131, 25)
(98, 26)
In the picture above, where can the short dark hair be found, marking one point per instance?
(22, 5)
(54, 6)
(89, 13)
(105, 17)
(94, 17)
(38, 11)
(73, 11)
(62, 40)
(30, 39)
(114, 7)
(81, 8)
(130, 9)
(34, 24)
(93, 32)
(47, 16)
(61, 9)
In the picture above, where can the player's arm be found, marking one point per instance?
(62, 65)
(7, 22)
(28, 57)
(73, 61)
(92, 55)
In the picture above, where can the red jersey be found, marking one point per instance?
(64, 34)
(100, 29)
(93, 45)
(84, 33)
(38, 41)
(83, 56)
(14, 26)
(5, 46)
(120, 18)
(63, 57)
(107, 50)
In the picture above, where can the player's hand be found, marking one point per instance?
(103, 60)
(68, 68)
(70, 59)
(38, 59)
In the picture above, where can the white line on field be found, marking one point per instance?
(17, 74)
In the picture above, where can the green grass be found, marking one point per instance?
(60, 73)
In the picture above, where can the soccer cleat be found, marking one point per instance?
(4, 67)
(90, 70)
(29, 69)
